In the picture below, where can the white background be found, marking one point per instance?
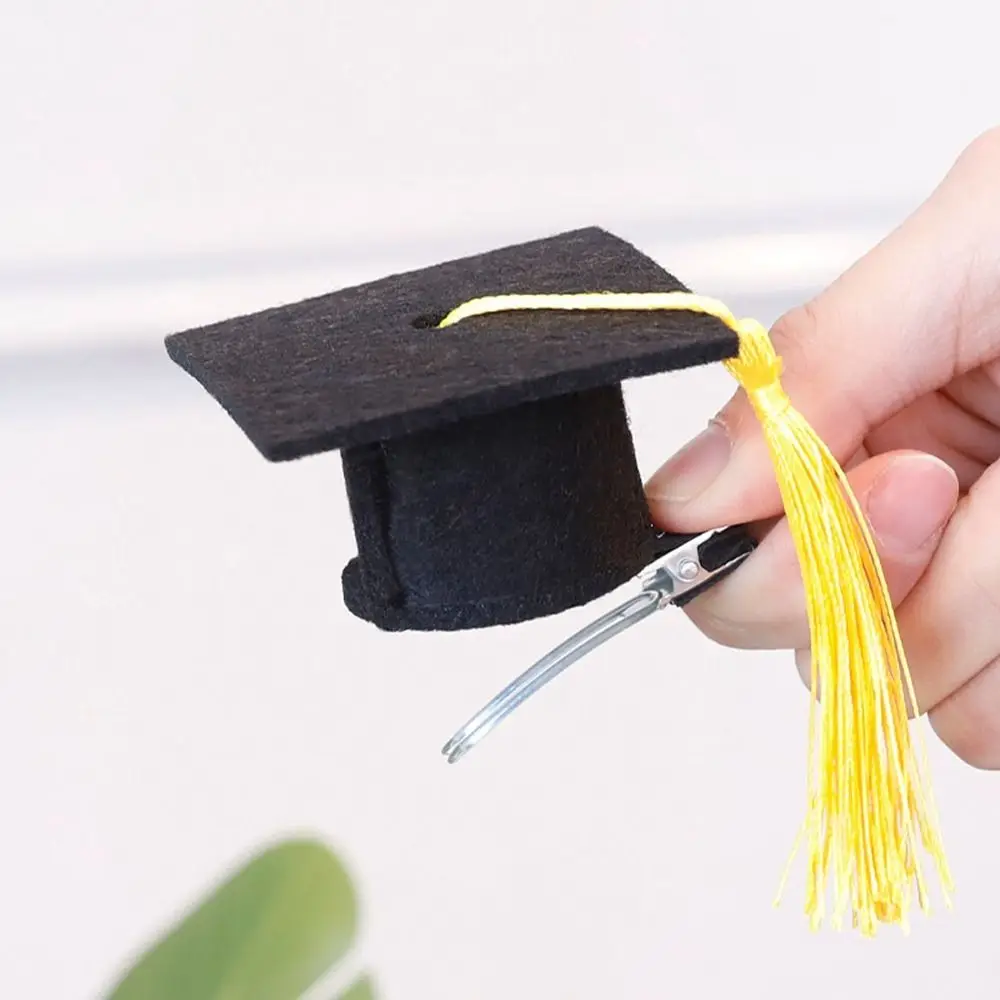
(178, 679)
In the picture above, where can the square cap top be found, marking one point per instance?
(369, 364)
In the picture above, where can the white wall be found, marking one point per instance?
(178, 678)
(190, 125)
(150, 147)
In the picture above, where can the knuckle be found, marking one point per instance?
(968, 720)
(966, 716)
(979, 754)
(795, 330)
(969, 725)
(974, 519)
(807, 340)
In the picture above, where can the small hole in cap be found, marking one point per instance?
(428, 321)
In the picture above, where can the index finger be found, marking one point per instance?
(904, 320)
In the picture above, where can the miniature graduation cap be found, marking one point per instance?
(489, 465)
(492, 479)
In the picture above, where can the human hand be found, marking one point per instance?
(897, 367)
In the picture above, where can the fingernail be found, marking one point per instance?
(694, 468)
(911, 501)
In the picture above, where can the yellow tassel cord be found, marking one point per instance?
(869, 803)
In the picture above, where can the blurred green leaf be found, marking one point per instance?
(361, 990)
(268, 933)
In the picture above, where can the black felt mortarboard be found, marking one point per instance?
(489, 465)
(492, 479)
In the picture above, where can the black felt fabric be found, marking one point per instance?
(499, 519)
(352, 367)
(489, 465)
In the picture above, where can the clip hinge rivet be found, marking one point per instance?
(687, 570)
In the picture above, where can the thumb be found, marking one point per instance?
(907, 497)
(918, 310)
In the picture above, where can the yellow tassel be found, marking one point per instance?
(869, 803)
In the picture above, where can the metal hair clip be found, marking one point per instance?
(686, 566)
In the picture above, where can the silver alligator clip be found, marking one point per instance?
(690, 565)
